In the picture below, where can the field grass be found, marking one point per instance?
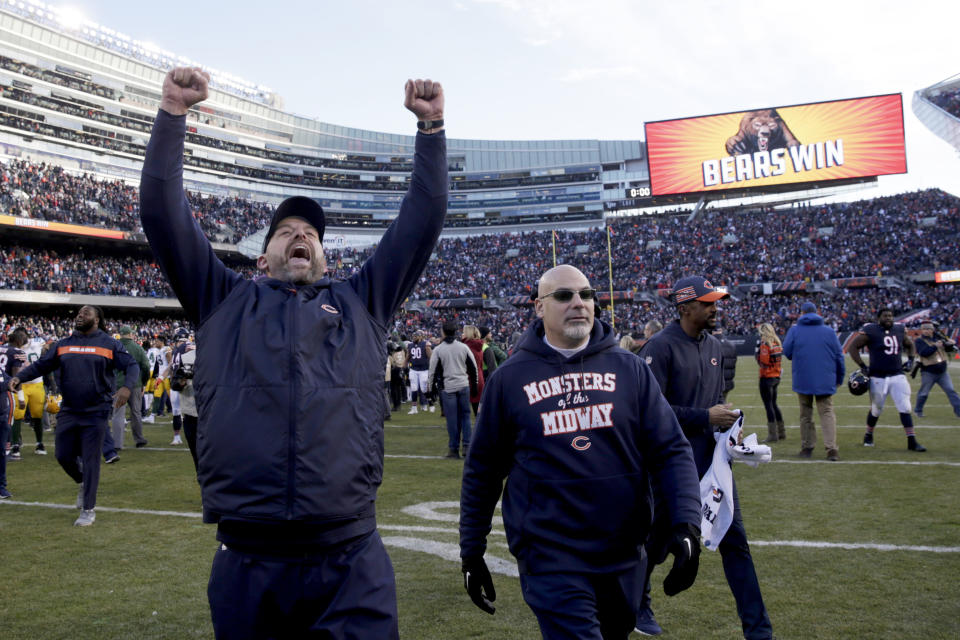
(816, 530)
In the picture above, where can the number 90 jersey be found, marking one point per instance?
(884, 346)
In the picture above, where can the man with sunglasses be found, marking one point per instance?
(580, 430)
(687, 362)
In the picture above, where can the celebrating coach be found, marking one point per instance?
(579, 428)
(288, 379)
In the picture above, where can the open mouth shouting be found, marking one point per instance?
(299, 255)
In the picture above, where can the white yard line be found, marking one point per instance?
(870, 546)
(146, 512)
(446, 549)
(915, 463)
(414, 426)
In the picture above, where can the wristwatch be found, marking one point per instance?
(429, 124)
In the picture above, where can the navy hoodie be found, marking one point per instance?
(578, 440)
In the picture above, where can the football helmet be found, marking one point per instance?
(53, 404)
(858, 383)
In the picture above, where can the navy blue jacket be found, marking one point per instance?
(289, 379)
(817, 356)
(87, 365)
(579, 440)
(690, 374)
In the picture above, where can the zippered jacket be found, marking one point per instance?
(288, 378)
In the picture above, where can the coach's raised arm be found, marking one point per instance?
(199, 278)
(288, 383)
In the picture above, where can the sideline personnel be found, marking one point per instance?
(687, 362)
(87, 360)
(288, 380)
(932, 347)
(578, 427)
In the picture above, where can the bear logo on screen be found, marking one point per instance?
(761, 131)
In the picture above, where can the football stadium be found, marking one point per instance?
(771, 203)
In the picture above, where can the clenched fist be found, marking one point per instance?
(184, 87)
(424, 98)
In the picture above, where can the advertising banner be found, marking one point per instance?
(838, 140)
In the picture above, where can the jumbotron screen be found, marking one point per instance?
(841, 139)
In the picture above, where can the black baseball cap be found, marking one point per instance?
(297, 207)
(695, 288)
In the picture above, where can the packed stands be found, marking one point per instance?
(903, 234)
(949, 101)
(896, 235)
(59, 324)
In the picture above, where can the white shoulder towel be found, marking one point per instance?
(716, 486)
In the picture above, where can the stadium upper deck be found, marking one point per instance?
(85, 99)
(938, 107)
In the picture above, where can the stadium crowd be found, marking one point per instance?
(845, 310)
(895, 235)
(60, 324)
(949, 101)
(33, 269)
(48, 192)
(803, 243)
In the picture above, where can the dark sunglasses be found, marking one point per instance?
(566, 295)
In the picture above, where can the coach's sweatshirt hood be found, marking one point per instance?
(810, 319)
(601, 339)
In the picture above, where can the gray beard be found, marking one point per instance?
(314, 274)
(577, 332)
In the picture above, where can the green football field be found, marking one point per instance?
(867, 547)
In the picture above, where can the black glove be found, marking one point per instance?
(685, 548)
(865, 371)
(479, 584)
(908, 365)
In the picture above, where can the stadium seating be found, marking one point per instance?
(949, 101)
(239, 162)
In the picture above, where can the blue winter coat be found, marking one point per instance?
(817, 356)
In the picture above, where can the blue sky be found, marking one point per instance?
(542, 69)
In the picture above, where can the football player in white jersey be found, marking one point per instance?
(33, 396)
(173, 361)
(153, 357)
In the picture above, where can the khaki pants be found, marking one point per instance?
(828, 421)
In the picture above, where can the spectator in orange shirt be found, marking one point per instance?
(769, 350)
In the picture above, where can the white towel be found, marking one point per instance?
(716, 486)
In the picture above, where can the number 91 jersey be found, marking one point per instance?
(884, 346)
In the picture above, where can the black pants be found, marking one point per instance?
(768, 393)
(349, 592)
(190, 433)
(79, 437)
(585, 606)
(396, 388)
